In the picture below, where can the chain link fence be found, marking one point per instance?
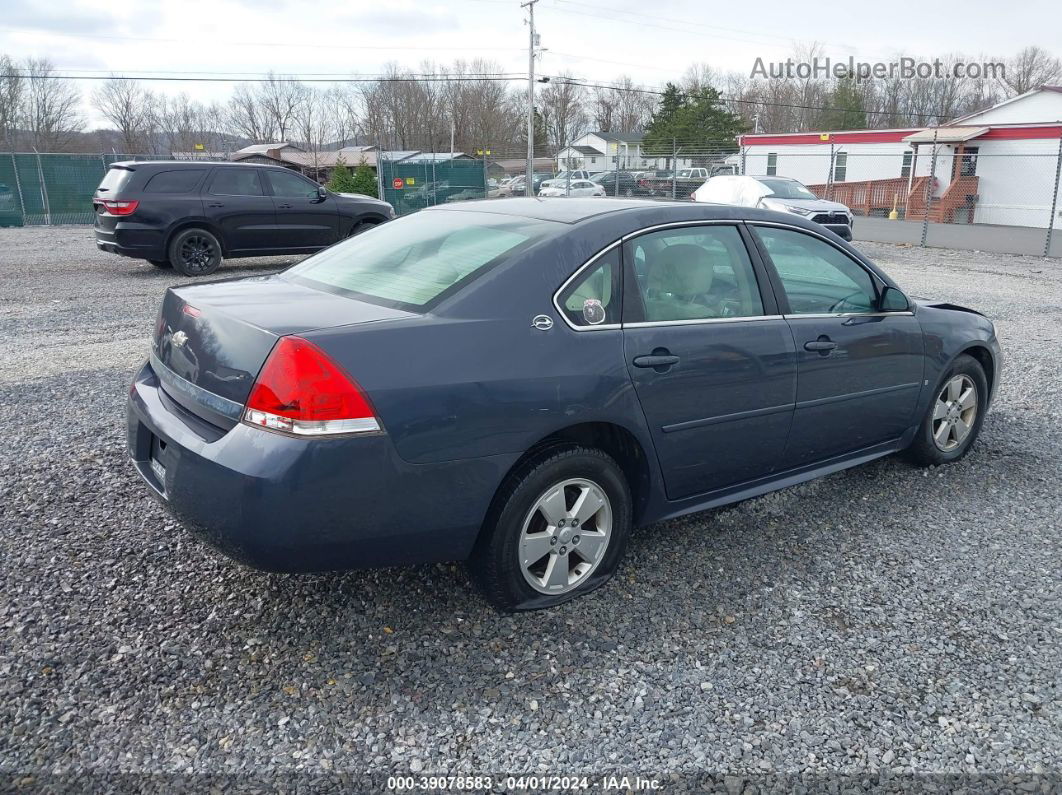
(992, 198)
(49, 189)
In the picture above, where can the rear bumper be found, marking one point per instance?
(284, 504)
(131, 241)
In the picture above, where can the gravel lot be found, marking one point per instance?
(883, 620)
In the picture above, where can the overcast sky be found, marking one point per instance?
(593, 39)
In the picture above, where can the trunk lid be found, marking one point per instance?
(211, 340)
(110, 188)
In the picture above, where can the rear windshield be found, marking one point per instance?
(416, 261)
(114, 179)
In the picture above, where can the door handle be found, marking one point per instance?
(823, 345)
(656, 360)
(284, 206)
(216, 204)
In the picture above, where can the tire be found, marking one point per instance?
(362, 226)
(516, 529)
(161, 263)
(941, 438)
(195, 252)
(628, 193)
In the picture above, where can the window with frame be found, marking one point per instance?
(818, 278)
(840, 167)
(594, 298)
(694, 273)
(968, 162)
(292, 186)
(176, 181)
(905, 166)
(237, 181)
(772, 164)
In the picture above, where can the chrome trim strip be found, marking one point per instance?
(903, 313)
(691, 222)
(807, 404)
(572, 278)
(701, 321)
(738, 415)
(223, 406)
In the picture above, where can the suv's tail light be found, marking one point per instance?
(114, 207)
(302, 392)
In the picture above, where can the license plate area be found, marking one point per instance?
(158, 466)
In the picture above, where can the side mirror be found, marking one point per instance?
(892, 300)
(322, 192)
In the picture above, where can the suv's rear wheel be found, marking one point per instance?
(557, 530)
(195, 252)
(161, 263)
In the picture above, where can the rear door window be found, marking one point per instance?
(177, 181)
(237, 181)
(114, 180)
(414, 262)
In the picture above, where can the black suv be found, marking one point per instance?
(189, 215)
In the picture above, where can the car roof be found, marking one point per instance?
(135, 164)
(566, 210)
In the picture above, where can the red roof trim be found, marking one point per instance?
(1021, 133)
(850, 136)
(995, 133)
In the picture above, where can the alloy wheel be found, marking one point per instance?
(197, 253)
(954, 413)
(565, 536)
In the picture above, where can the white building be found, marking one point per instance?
(996, 166)
(609, 151)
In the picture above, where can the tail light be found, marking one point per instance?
(115, 207)
(300, 391)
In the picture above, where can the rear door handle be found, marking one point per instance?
(284, 206)
(823, 345)
(656, 360)
(216, 204)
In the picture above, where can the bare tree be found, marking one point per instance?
(280, 99)
(133, 110)
(245, 118)
(1029, 69)
(11, 93)
(51, 106)
(563, 110)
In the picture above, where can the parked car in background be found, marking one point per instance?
(516, 187)
(681, 182)
(617, 183)
(9, 211)
(519, 384)
(565, 176)
(777, 193)
(575, 187)
(190, 215)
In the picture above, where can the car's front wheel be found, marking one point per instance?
(557, 530)
(195, 252)
(954, 417)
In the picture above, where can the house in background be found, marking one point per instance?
(315, 165)
(609, 151)
(995, 166)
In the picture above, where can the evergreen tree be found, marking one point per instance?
(342, 181)
(695, 122)
(364, 180)
(846, 111)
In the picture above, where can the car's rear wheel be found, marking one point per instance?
(161, 263)
(195, 252)
(953, 420)
(557, 530)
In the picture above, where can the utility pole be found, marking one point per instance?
(529, 186)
